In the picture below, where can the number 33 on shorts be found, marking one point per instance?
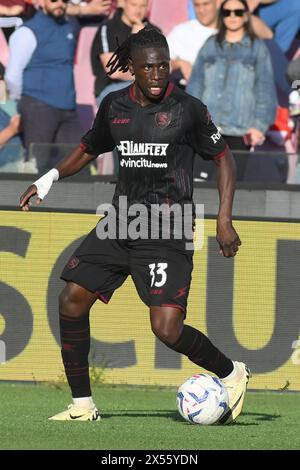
(158, 274)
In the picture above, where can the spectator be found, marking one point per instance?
(129, 20)
(259, 27)
(84, 12)
(89, 13)
(233, 72)
(293, 71)
(40, 75)
(15, 8)
(293, 75)
(281, 15)
(9, 127)
(12, 7)
(89, 8)
(186, 39)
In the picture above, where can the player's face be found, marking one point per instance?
(135, 10)
(151, 67)
(206, 11)
(54, 8)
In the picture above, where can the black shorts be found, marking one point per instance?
(161, 269)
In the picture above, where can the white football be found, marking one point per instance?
(202, 399)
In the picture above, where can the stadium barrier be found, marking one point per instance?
(265, 167)
(11, 158)
(248, 306)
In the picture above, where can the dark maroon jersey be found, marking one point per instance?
(156, 144)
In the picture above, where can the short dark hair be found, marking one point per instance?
(146, 37)
(222, 28)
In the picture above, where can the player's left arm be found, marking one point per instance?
(70, 165)
(227, 237)
(96, 141)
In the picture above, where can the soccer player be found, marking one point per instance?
(157, 129)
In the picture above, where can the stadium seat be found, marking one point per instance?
(166, 15)
(3, 49)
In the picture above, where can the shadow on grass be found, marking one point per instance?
(144, 413)
(262, 416)
(257, 417)
(174, 416)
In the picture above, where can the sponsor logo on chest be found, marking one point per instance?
(130, 148)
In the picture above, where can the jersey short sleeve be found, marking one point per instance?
(99, 139)
(203, 136)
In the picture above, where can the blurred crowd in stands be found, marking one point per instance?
(240, 57)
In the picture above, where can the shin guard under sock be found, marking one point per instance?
(75, 346)
(200, 350)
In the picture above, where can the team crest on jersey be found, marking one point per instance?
(163, 119)
(73, 262)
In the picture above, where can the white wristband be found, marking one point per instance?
(45, 182)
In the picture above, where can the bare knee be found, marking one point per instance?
(167, 329)
(75, 301)
(165, 334)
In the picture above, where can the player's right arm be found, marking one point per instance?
(70, 165)
(207, 141)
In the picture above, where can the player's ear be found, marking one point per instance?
(130, 66)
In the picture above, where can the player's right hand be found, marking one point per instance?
(228, 239)
(25, 198)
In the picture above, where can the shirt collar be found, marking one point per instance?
(245, 41)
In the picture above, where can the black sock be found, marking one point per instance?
(200, 350)
(75, 346)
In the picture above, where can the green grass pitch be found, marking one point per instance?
(147, 419)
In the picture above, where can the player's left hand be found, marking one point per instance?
(228, 239)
